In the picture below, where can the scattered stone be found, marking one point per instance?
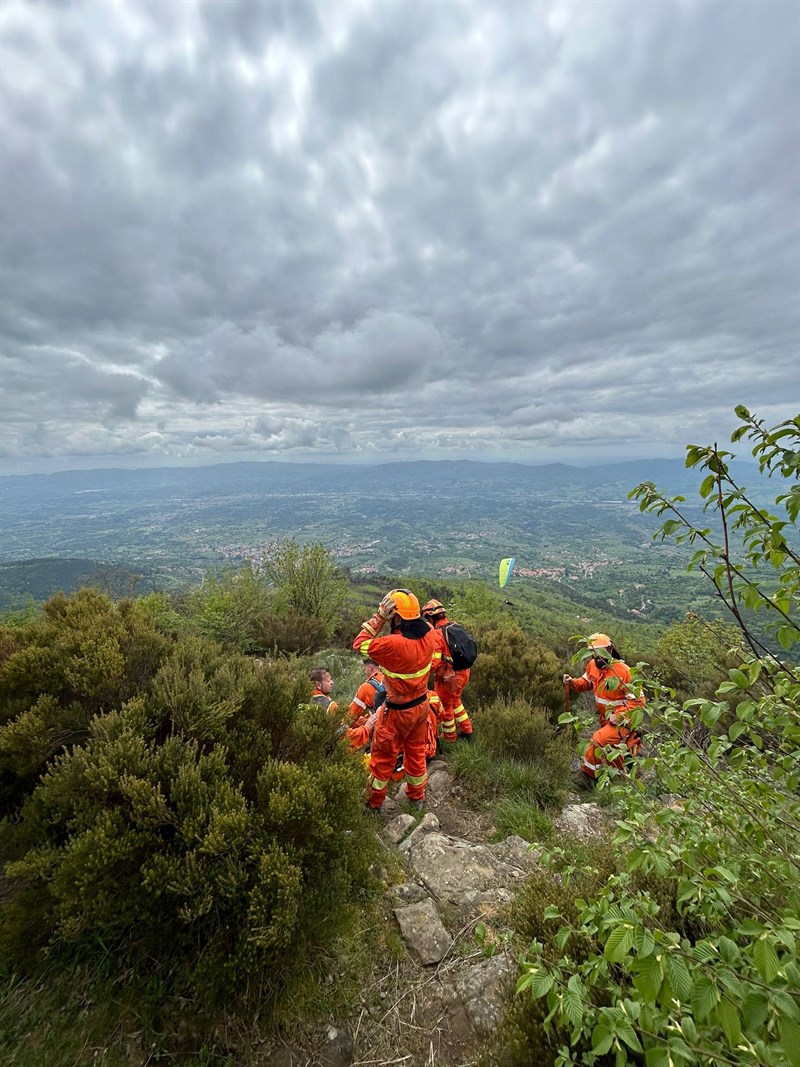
(397, 829)
(438, 784)
(338, 1048)
(516, 851)
(407, 893)
(423, 931)
(427, 824)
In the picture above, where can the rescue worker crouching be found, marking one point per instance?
(323, 687)
(610, 680)
(405, 658)
(448, 683)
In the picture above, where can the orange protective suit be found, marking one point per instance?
(449, 685)
(405, 659)
(614, 702)
(322, 700)
(363, 703)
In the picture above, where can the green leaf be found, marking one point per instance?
(541, 984)
(679, 978)
(728, 1018)
(766, 959)
(657, 1056)
(648, 972)
(790, 1039)
(754, 1012)
(619, 943)
(552, 911)
(705, 997)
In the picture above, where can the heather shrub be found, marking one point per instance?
(512, 665)
(84, 656)
(292, 634)
(208, 831)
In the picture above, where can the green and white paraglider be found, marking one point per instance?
(506, 567)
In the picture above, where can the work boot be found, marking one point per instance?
(372, 812)
(466, 737)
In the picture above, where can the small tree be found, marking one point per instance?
(688, 953)
(307, 581)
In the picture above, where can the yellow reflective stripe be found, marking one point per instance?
(376, 783)
(360, 703)
(407, 677)
(437, 655)
(609, 701)
(364, 647)
(463, 717)
(416, 781)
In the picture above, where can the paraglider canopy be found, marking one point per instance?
(506, 567)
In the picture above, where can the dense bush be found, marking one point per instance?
(208, 829)
(511, 665)
(84, 655)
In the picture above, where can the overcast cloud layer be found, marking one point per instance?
(534, 231)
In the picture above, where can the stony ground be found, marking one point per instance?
(437, 1005)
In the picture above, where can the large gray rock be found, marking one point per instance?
(423, 931)
(482, 989)
(438, 784)
(583, 821)
(397, 829)
(466, 874)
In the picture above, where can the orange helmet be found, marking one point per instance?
(599, 641)
(434, 608)
(405, 603)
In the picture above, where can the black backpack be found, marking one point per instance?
(380, 692)
(463, 649)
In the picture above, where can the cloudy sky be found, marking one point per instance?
(362, 230)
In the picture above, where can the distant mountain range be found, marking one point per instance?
(669, 474)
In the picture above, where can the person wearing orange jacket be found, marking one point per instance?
(610, 680)
(323, 687)
(448, 683)
(371, 693)
(405, 658)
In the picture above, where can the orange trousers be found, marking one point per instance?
(609, 734)
(453, 716)
(398, 731)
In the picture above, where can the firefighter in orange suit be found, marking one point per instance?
(610, 679)
(448, 683)
(405, 658)
(323, 687)
(371, 693)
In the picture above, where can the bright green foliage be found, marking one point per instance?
(515, 666)
(228, 608)
(694, 656)
(306, 581)
(705, 971)
(208, 829)
(84, 655)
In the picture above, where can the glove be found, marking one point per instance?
(387, 607)
(568, 680)
(370, 723)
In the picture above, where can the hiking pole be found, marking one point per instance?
(567, 691)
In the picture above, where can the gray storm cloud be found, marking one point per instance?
(353, 228)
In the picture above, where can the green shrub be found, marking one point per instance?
(513, 666)
(84, 656)
(209, 831)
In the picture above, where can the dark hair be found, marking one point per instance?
(316, 673)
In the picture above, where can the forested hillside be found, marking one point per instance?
(187, 861)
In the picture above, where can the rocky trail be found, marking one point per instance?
(443, 999)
